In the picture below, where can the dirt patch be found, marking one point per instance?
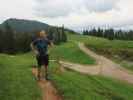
(49, 92)
(104, 67)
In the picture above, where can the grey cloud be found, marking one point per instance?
(57, 8)
(100, 5)
(52, 8)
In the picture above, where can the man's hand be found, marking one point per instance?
(51, 44)
(36, 52)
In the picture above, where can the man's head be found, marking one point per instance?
(42, 34)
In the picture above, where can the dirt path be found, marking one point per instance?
(104, 67)
(48, 90)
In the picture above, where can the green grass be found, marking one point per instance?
(101, 42)
(75, 86)
(16, 80)
(17, 83)
(117, 50)
(70, 52)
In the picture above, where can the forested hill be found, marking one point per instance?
(24, 26)
(16, 34)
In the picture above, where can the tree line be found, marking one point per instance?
(110, 34)
(12, 42)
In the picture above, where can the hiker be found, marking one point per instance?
(40, 48)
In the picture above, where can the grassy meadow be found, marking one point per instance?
(75, 86)
(70, 52)
(18, 83)
(16, 79)
(118, 50)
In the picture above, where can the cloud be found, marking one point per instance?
(16, 9)
(100, 5)
(74, 14)
(58, 8)
(117, 15)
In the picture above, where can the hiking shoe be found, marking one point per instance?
(38, 78)
(47, 77)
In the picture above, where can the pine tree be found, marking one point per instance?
(94, 32)
(9, 39)
(64, 36)
(85, 32)
(1, 40)
(56, 37)
(50, 33)
(100, 32)
(110, 34)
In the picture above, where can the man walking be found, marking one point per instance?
(40, 48)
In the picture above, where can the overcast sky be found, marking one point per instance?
(75, 14)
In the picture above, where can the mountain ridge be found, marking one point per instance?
(22, 25)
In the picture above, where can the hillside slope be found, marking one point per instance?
(24, 25)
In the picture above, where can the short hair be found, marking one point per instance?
(41, 33)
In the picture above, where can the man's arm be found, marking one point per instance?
(34, 49)
(50, 43)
